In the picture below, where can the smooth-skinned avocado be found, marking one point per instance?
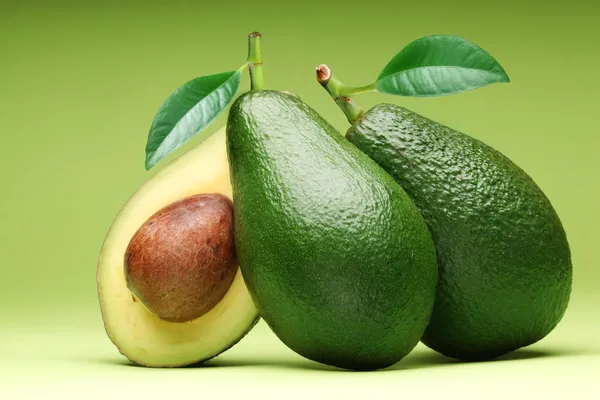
(504, 261)
(336, 256)
(170, 247)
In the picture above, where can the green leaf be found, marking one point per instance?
(190, 109)
(439, 65)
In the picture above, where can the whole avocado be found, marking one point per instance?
(504, 262)
(336, 256)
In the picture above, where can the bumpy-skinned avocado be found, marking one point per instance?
(504, 262)
(139, 334)
(336, 256)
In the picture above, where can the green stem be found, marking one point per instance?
(255, 61)
(340, 93)
(353, 91)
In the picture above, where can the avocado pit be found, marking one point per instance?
(182, 260)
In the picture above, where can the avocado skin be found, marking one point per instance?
(504, 262)
(338, 259)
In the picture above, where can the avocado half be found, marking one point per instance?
(139, 335)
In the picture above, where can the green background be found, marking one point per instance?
(80, 83)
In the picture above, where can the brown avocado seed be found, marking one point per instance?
(182, 260)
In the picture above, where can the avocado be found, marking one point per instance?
(504, 261)
(336, 256)
(149, 338)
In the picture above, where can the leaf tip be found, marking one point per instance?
(149, 162)
(502, 77)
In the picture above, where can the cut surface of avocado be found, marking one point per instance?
(138, 334)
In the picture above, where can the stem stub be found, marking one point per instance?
(323, 74)
(334, 87)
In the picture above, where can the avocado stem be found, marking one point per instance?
(342, 98)
(255, 65)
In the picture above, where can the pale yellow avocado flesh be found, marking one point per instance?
(138, 334)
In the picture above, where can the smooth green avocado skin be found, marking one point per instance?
(504, 262)
(338, 259)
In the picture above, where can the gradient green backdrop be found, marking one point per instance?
(80, 83)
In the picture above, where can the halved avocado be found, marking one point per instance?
(139, 335)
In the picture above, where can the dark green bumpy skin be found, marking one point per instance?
(504, 262)
(338, 259)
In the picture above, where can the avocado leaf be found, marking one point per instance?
(439, 65)
(187, 111)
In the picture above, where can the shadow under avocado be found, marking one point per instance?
(295, 363)
(416, 360)
(240, 362)
(431, 359)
